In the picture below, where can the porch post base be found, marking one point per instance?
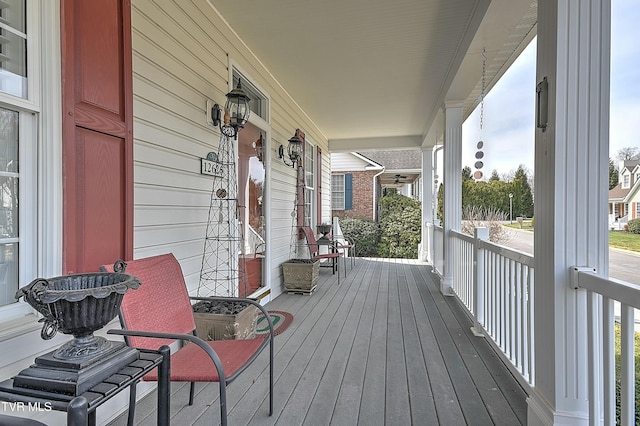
(540, 413)
(446, 286)
(477, 331)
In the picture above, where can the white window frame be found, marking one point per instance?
(310, 199)
(334, 192)
(626, 180)
(40, 151)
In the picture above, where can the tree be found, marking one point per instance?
(494, 176)
(466, 173)
(613, 174)
(440, 212)
(629, 153)
(522, 196)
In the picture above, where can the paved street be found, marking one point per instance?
(623, 265)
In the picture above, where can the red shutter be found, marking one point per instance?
(97, 133)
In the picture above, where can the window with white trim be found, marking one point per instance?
(337, 192)
(309, 184)
(258, 102)
(625, 181)
(19, 62)
(13, 47)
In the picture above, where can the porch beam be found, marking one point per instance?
(452, 173)
(375, 143)
(571, 170)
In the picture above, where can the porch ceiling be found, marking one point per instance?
(375, 74)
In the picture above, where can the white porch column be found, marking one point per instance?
(426, 245)
(452, 176)
(571, 172)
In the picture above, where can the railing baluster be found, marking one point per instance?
(627, 371)
(608, 362)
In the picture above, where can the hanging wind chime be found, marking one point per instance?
(477, 175)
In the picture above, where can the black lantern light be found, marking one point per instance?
(236, 112)
(294, 150)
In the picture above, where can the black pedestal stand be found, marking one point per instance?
(76, 375)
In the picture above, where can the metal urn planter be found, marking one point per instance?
(77, 304)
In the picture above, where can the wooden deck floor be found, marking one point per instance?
(382, 348)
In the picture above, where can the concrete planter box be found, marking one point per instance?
(228, 322)
(301, 274)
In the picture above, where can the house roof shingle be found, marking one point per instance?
(395, 160)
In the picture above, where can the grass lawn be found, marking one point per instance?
(617, 349)
(526, 225)
(624, 240)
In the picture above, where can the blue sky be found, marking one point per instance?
(508, 128)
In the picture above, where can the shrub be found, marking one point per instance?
(492, 219)
(364, 233)
(400, 219)
(634, 226)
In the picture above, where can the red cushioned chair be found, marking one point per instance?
(314, 250)
(159, 313)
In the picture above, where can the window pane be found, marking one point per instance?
(257, 101)
(8, 273)
(8, 141)
(13, 48)
(12, 13)
(9, 207)
(337, 192)
(309, 168)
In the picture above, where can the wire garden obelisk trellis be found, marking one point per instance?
(222, 271)
(298, 207)
(224, 242)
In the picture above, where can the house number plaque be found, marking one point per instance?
(212, 168)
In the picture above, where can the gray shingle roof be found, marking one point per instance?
(394, 160)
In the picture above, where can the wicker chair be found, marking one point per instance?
(159, 313)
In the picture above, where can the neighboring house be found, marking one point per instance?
(359, 178)
(624, 198)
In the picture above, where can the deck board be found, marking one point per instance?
(383, 347)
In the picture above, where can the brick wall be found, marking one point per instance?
(362, 198)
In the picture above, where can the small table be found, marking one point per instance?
(81, 409)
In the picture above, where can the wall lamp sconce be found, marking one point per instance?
(294, 150)
(236, 112)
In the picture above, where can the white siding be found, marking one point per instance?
(347, 162)
(180, 60)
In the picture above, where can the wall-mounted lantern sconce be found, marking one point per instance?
(294, 150)
(236, 112)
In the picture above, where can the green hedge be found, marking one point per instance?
(400, 219)
(364, 233)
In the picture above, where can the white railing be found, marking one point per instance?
(463, 286)
(602, 292)
(438, 249)
(495, 284)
